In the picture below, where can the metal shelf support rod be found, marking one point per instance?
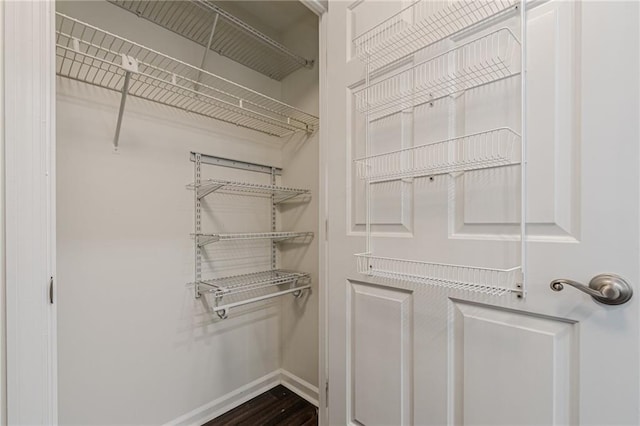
(206, 50)
(523, 162)
(123, 100)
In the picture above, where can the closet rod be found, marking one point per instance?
(223, 310)
(235, 164)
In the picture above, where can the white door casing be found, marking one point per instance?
(403, 353)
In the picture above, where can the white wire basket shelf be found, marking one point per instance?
(495, 282)
(279, 193)
(205, 239)
(91, 55)
(243, 289)
(210, 26)
(493, 148)
(422, 24)
(487, 59)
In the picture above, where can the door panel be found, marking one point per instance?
(450, 356)
(511, 367)
(381, 340)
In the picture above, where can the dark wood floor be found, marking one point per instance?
(276, 407)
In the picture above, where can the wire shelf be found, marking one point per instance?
(244, 283)
(280, 193)
(233, 38)
(243, 289)
(484, 60)
(495, 282)
(493, 148)
(204, 239)
(422, 24)
(91, 55)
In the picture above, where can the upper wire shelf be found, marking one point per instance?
(210, 26)
(91, 55)
(487, 59)
(495, 282)
(279, 193)
(204, 239)
(422, 24)
(493, 148)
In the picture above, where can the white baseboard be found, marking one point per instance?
(299, 386)
(213, 409)
(219, 406)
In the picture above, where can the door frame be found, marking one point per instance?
(323, 225)
(320, 8)
(27, 163)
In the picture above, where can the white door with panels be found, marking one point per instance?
(439, 313)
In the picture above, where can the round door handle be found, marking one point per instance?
(609, 289)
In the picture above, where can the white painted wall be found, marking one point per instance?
(135, 347)
(301, 168)
(3, 323)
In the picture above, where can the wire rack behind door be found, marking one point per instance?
(490, 57)
(422, 24)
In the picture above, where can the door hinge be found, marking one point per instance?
(326, 394)
(51, 290)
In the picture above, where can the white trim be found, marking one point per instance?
(29, 97)
(299, 386)
(245, 393)
(227, 402)
(3, 329)
(323, 217)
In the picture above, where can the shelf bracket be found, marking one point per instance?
(129, 65)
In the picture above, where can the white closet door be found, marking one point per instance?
(402, 353)
(29, 216)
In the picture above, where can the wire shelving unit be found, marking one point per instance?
(88, 54)
(217, 30)
(236, 290)
(392, 85)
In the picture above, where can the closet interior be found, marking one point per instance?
(187, 194)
